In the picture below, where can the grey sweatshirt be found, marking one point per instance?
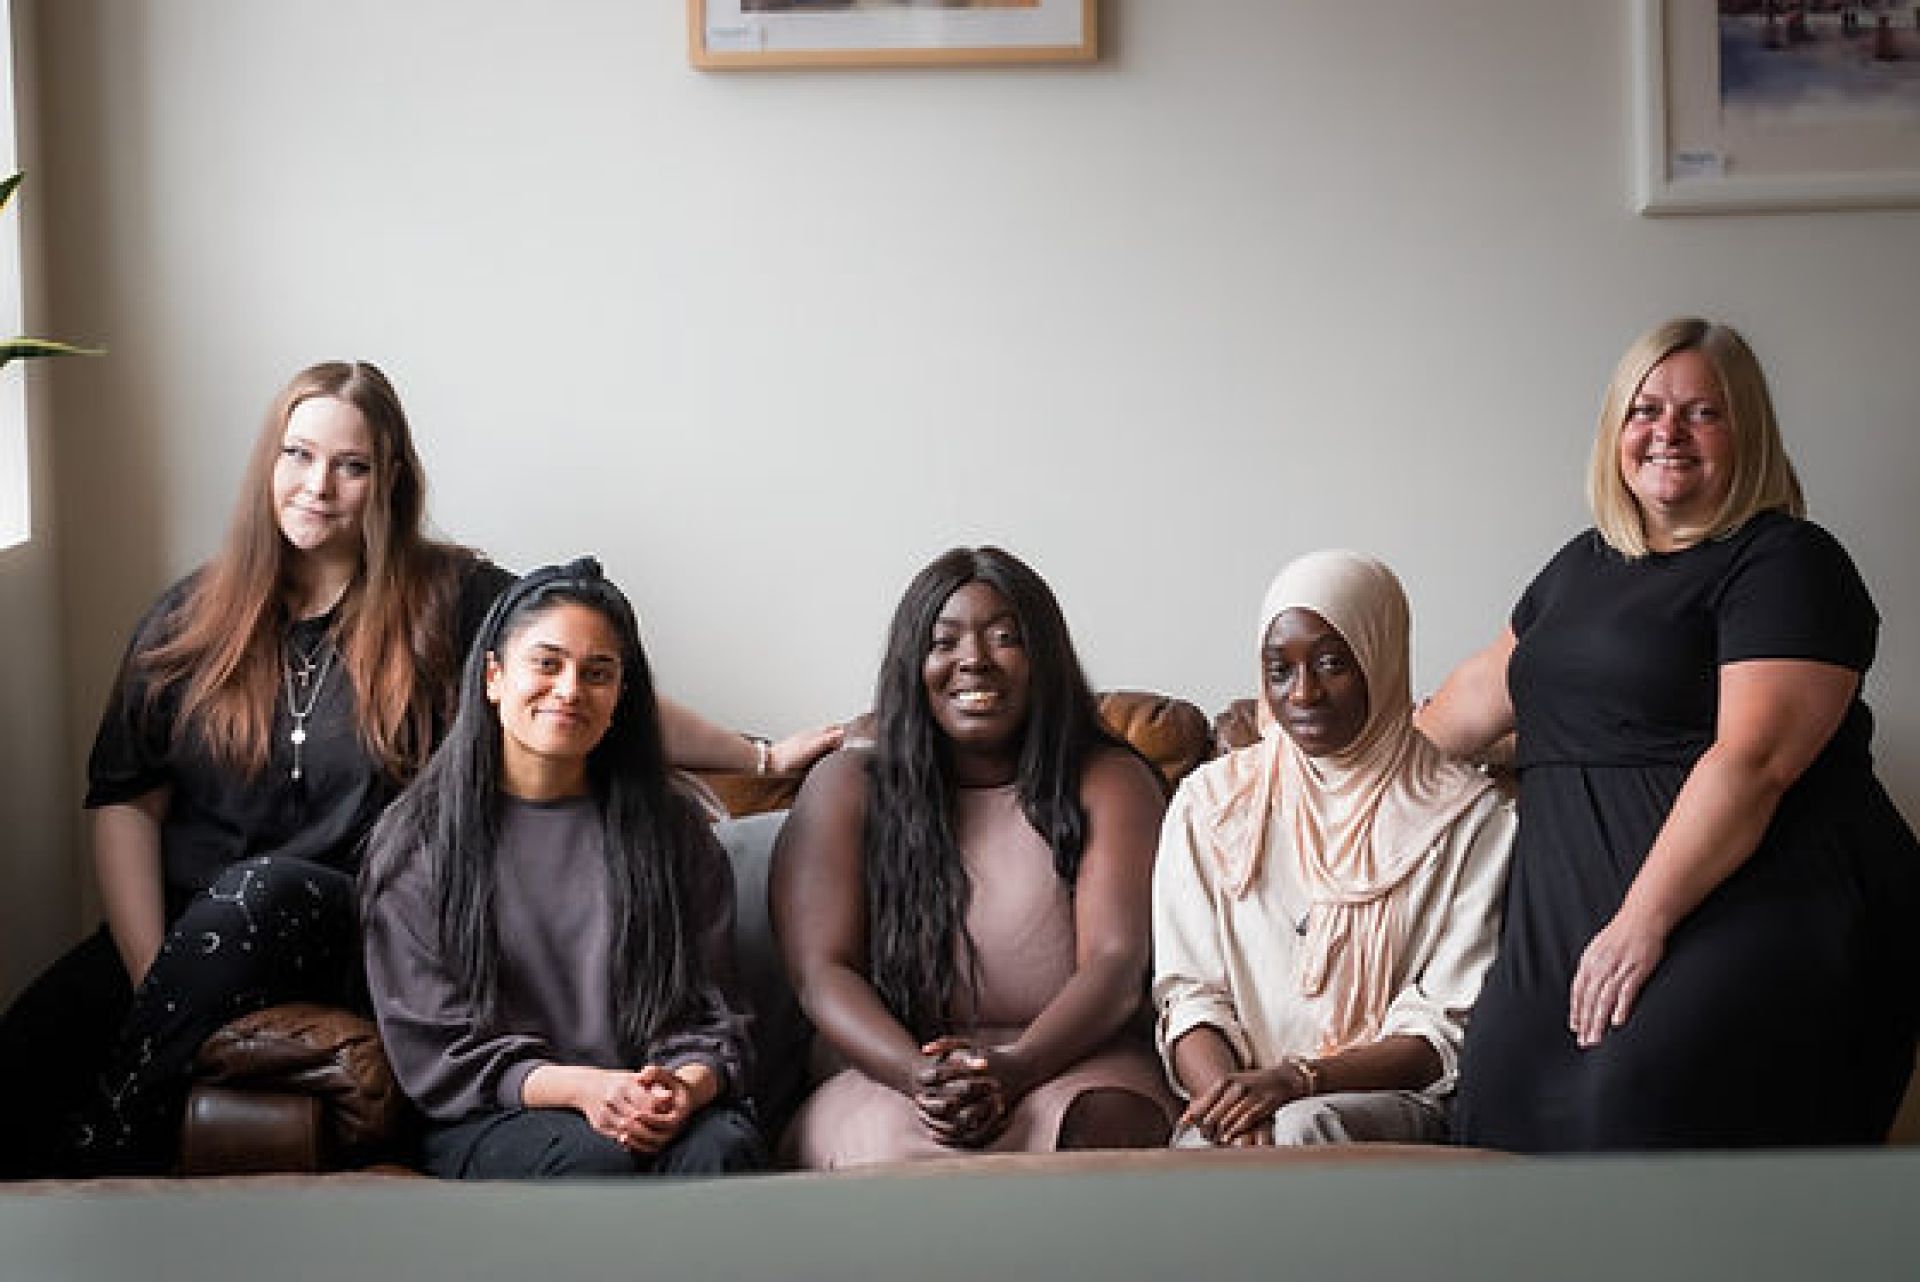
(556, 999)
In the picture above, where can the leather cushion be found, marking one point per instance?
(1171, 733)
(324, 1051)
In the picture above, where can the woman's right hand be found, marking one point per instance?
(799, 751)
(623, 1106)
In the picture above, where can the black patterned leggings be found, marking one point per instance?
(268, 930)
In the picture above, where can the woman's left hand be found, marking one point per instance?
(1614, 968)
(1775, 716)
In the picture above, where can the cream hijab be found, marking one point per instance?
(1359, 822)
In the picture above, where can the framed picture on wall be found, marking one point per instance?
(1761, 105)
(738, 34)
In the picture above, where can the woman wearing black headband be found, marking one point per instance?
(548, 918)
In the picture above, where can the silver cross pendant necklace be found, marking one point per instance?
(311, 672)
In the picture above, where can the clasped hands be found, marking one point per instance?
(1237, 1109)
(964, 1093)
(642, 1110)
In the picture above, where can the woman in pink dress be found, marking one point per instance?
(965, 904)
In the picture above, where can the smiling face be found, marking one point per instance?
(977, 681)
(1676, 450)
(555, 685)
(1313, 683)
(323, 477)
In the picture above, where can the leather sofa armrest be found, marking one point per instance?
(324, 1053)
(228, 1131)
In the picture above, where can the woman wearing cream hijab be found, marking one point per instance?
(1326, 900)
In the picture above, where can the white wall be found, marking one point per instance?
(1267, 277)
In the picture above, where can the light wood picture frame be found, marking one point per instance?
(1707, 143)
(748, 34)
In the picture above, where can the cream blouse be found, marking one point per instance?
(1234, 962)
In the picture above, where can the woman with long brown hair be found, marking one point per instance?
(269, 706)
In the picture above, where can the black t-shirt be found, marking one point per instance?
(216, 815)
(1618, 661)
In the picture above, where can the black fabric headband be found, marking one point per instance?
(582, 572)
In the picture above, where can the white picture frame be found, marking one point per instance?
(1692, 157)
(735, 35)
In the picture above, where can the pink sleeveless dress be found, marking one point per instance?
(1021, 920)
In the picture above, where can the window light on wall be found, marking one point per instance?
(16, 481)
(16, 512)
(16, 516)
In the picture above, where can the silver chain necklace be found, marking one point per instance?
(313, 675)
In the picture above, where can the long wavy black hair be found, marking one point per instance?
(449, 816)
(917, 886)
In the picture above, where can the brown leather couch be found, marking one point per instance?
(307, 1088)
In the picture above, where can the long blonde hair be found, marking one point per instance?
(222, 644)
(1763, 475)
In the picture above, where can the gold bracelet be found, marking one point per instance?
(1309, 1073)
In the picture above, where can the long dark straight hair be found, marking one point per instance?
(917, 886)
(449, 817)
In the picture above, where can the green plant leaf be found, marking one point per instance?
(20, 349)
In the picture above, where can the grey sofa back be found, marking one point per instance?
(781, 1036)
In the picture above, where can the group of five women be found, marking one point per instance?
(341, 739)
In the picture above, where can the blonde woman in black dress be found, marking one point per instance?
(1709, 938)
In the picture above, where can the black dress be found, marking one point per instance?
(1784, 1009)
(258, 880)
